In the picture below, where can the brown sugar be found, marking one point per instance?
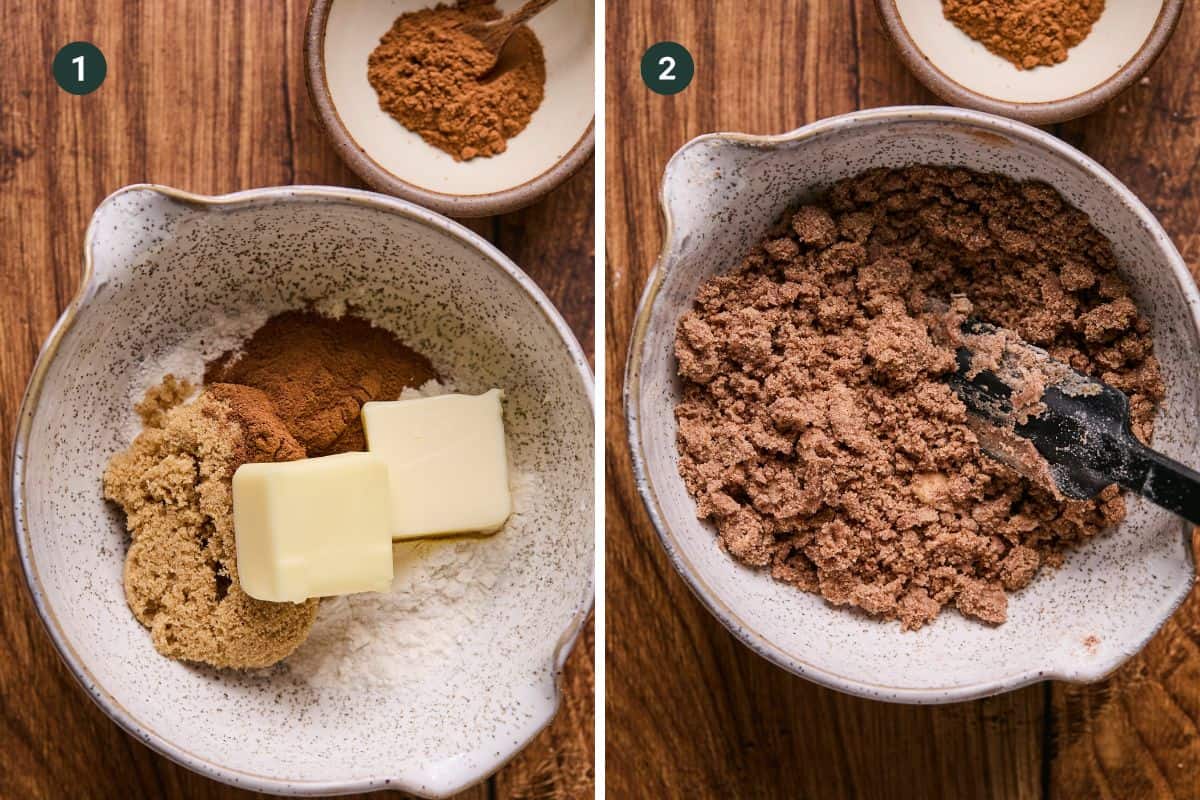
(816, 429)
(434, 79)
(181, 568)
(319, 371)
(294, 389)
(1028, 33)
(160, 399)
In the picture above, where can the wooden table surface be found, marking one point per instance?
(692, 713)
(209, 97)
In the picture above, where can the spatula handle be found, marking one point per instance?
(1163, 482)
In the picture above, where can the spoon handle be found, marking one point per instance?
(1162, 481)
(526, 11)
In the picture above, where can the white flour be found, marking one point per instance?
(187, 359)
(441, 588)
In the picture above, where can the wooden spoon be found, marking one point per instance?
(494, 34)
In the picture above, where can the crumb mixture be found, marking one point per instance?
(1028, 33)
(437, 81)
(294, 390)
(816, 429)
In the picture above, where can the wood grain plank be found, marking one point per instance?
(208, 97)
(690, 712)
(553, 240)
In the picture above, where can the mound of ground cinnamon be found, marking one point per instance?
(318, 372)
(437, 80)
(295, 389)
(816, 429)
(1029, 33)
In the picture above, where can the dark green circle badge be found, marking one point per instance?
(79, 68)
(667, 68)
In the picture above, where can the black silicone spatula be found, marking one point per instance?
(1079, 425)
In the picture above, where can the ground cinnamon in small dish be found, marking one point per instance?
(295, 389)
(434, 79)
(816, 429)
(1028, 33)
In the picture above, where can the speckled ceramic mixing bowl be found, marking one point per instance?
(719, 195)
(162, 268)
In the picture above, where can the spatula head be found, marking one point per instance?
(1019, 397)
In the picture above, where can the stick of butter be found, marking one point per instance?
(313, 528)
(447, 463)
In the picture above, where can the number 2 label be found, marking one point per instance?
(667, 68)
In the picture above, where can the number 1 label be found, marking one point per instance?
(80, 68)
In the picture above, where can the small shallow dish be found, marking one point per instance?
(720, 194)
(1123, 44)
(340, 36)
(162, 267)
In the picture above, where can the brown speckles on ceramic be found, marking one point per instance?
(1123, 44)
(341, 34)
(164, 266)
(720, 193)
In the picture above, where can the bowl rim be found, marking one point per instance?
(1039, 113)
(631, 391)
(140, 729)
(381, 179)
